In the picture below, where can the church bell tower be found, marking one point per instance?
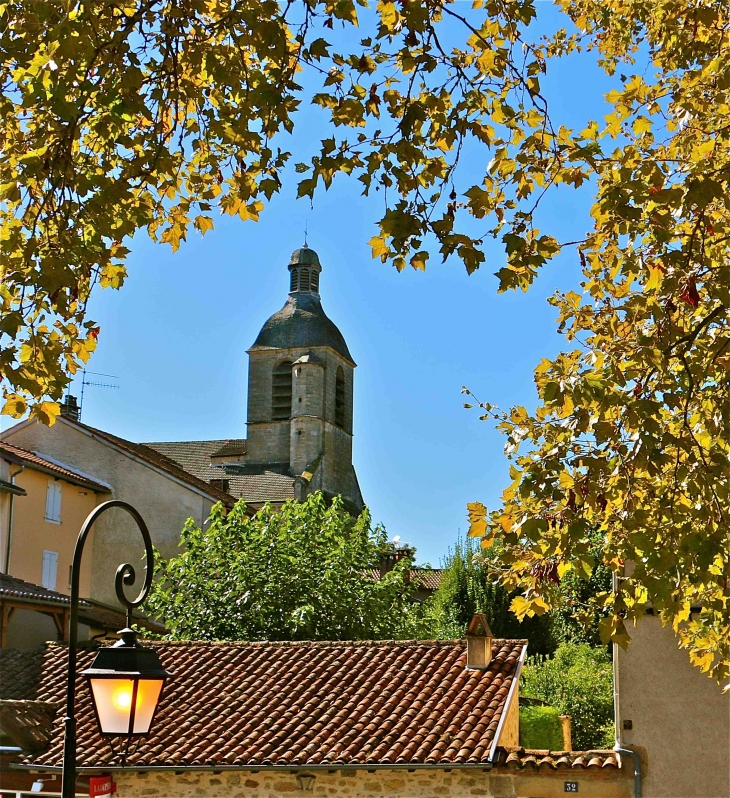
(300, 393)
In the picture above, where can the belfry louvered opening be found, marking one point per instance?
(281, 392)
(340, 397)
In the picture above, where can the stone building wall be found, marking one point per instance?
(469, 783)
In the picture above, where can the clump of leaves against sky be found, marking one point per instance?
(306, 572)
(125, 116)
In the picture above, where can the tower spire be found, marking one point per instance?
(304, 269)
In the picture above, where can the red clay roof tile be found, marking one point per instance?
(302, 704)
(39, 463)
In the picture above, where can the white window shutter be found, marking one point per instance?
(53, 502)
(50, 569)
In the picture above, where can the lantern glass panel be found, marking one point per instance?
(148, 694)
(113, 700)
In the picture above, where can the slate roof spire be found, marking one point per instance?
(304, 268)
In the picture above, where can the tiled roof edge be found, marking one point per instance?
(171, 467)
(315, 643)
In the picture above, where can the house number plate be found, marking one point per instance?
(571, 786)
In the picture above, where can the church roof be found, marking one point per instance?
(194, 457)
(304, 256)
(301, 323)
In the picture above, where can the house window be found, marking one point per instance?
(50, 568)
(281, 392)
(53, 502)
(340, 397)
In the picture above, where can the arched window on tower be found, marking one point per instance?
(281, 392)
(340, 397)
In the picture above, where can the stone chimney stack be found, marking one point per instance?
(70, 408)
(478, 643)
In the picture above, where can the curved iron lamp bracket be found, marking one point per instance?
(125, 576)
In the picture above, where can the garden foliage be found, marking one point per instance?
(578, 681)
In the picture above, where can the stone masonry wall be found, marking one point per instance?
(471, 783)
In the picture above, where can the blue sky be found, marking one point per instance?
(176, 335)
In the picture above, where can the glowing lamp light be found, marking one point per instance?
(126, 684)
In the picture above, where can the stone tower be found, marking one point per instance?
(300, 394)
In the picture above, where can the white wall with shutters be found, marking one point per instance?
(50, 569)
(53, 502)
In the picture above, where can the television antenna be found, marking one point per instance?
(94, 384)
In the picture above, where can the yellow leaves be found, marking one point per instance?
(389, 16)
(654, 281)
(203, 224)
(613, 630)
(46, 412)
(114, 274)
(251, 211)
(418, 261)
(528, 607)
(14, 406)
(379, 247)
(477, 519)
(642, 125)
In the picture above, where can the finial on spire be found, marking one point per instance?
(306, 221)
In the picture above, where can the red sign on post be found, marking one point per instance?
(101, 787)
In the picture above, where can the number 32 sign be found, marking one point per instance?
(571, 786)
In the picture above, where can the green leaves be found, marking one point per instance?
(305, 572)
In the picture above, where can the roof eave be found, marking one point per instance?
(9, 487)
(332, 766)
(261, 348)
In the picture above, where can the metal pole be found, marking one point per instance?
(125, 576)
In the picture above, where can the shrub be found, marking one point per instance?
(540, 727)
(577, 681)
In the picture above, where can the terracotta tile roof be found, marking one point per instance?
(27, 723)
(305, 704)
(232, 448)
(159, 460)
(428, 578)
(39, 463)
(20, 673)
(194, 457)
(90, 611)
(12, 587)
(95, 614)
(519, 758)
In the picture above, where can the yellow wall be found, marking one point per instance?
(32, 534)
(164, 501)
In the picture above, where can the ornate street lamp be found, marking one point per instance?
(125, 680)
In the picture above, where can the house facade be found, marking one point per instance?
(672, 715)
(93, 466)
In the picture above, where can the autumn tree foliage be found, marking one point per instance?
(152, 114)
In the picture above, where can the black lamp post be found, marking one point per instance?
(126, 680)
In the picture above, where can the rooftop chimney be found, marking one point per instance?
(70, 407)
(478, 643)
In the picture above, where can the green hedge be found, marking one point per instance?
(578, 681)
(540, 727)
